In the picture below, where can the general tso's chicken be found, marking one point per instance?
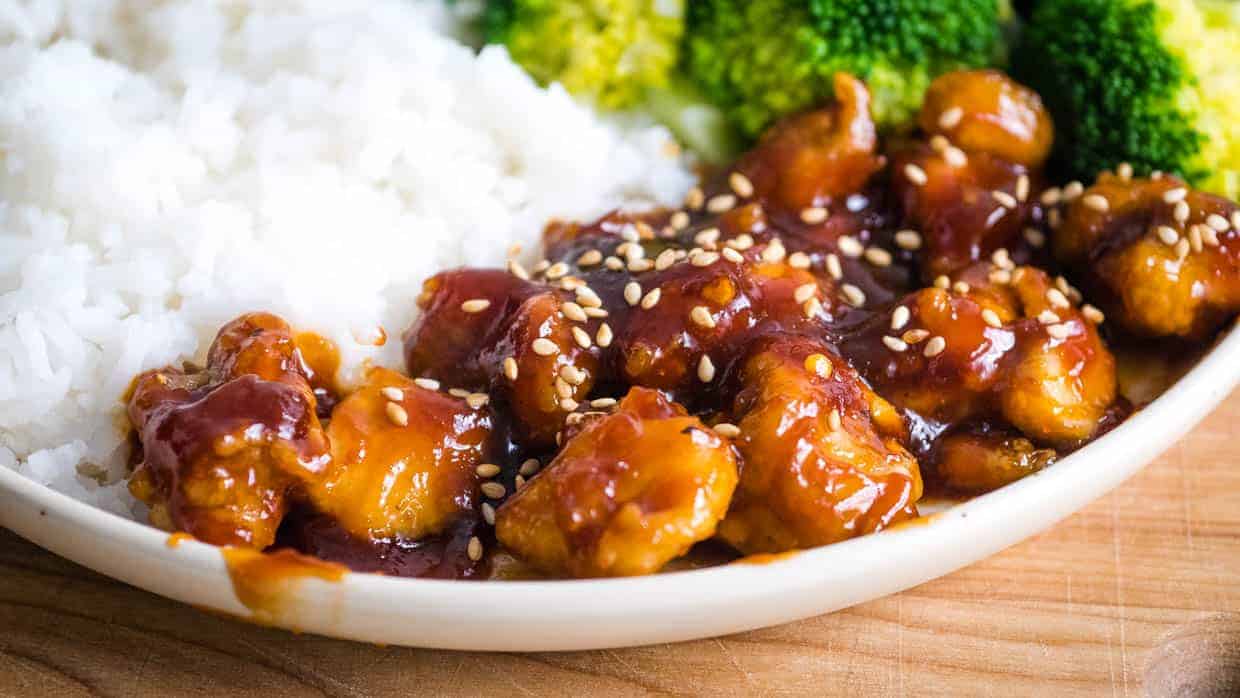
(491, 330)
(822, 453)
(973, 187)
(628, 492)
(404, 459)
(1162, 259)
(985, 111)
(997, 340)
(981, 460)
(811, 159)
(222, 449)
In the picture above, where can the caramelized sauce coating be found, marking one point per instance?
(403, 459)
(222, 449)
(1014, 347)
(626, 494)
(1163, 260)
(986, 111)
(981, 460)
(823, 459)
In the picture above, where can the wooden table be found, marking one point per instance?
(1140, 591)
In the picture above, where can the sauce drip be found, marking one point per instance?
(263, 582)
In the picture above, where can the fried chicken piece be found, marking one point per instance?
(982, 460)
(489, 330)
(404, 459)
(986, 111)
(1005, 342)
(822, 453)
(629, 492)
(1162, 259)
(223, 449)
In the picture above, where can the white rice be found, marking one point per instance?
(165, 166)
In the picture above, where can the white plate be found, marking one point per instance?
(571, 615)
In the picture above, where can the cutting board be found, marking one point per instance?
(1140, 592)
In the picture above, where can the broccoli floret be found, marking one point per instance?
(607, 51)
(1148, 82)
(761, 59)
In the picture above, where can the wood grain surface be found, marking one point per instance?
(1137, 594)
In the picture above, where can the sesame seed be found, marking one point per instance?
(475, 305)
(900, 317)
(631, 251)
(1124, 171)
(1168, 235)
(397, 414)
(613, 263)
(604, 335)
(811, 308)
(427, 383)
(651, 299)
(1002, 258)
(706, 237)
(934, 347)
(640, 265)
(895, 343)
(915, 174)
(589, 258)
(515, 268)
(1194, 236)
(961, 287)
(665, 259)
(721, 203)
(679, 220)
(1048, 317)
(582, 338)
(596, 312)
(1096, 202)
(805, 292)
(544, 347)
(1051, 196)
(774, 251)
(834, 268)
(955, 157)
(632, 293)
(878, 257)
(571, 283)
(726, 430)
(494, 490)
(856, 202)
(1235, 219)
(568, 404)
(704, 259)
(474, 549)
(1072, 190)
(741, 185)
(732, 255)
(1057, 298)
(950, 118)
(1022, 188)
(798, 260)
(999, 276)
(915, 336)
(908, 240)
(573, 312)
(741, 242)
(1218, 223)
(939, 143)
(854, 295)
(1181, 212)
(488, 513)
(694, 199)
(572, 375)
(1060, 331)
(991, 318)
(1005, 199)
(1035, 237)
(458, 392)
(393, 393)
(1182, 248)
(563, 388)
(705, 369)
(530, 466)
(477, 400)
(1092, 314)
(629, 234)
(820, 365)
(1174, 196)
(487, 470)
(833, 419)
(644, 231)
(1156, 175)
(814, 215)
(510, 368)
(849, 246)
(702, 317)
(1209, 236)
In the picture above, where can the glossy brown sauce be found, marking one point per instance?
(176, 539)
(767, 558)
(263, 581)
